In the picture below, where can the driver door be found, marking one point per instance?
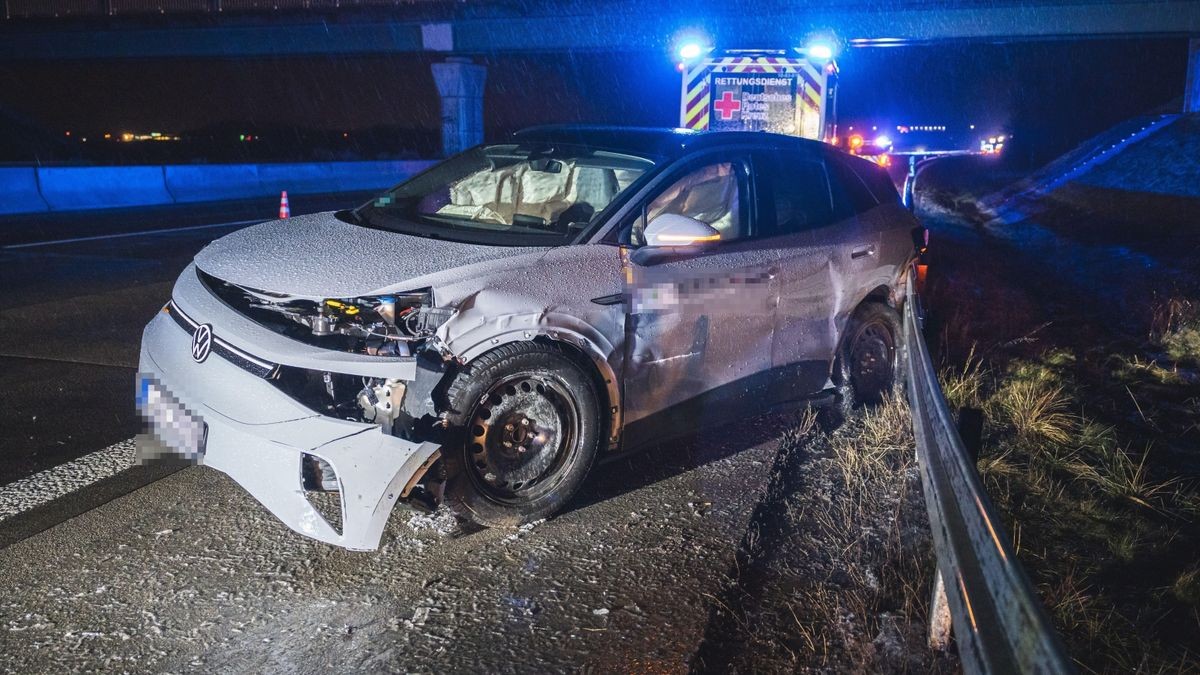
(700, 319)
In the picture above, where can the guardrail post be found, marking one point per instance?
(939, 616)
(970, 428)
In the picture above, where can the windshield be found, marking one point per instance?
(509, 195)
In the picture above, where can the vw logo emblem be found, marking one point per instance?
(201, 342)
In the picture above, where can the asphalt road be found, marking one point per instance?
(190, 574)
(147, 569)
(72, 313)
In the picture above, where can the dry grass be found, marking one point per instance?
(880, 439)
(1120, 476)
(1035, 409)
(1186, 588)
(1175, 325)
(1083, 500)
(963, 386)
(849, 585)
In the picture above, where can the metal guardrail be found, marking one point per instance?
(999, 624)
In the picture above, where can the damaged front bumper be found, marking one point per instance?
(260, 437)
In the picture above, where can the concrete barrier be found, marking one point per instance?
(102, 187)
(19, 191)
(297, 178)
(376, 175)
(29, 190)
(212, 182)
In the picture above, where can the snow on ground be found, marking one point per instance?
(42, 487)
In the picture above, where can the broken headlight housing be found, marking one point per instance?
(384, 325)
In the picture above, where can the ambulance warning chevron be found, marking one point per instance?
(759, 92)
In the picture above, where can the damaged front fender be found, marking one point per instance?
(488, 319)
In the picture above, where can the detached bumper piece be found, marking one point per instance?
(262, 438)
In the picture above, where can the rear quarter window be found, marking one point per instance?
(850, 192)
(800, 191)
(877, 181)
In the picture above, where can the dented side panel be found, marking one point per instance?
(552, 301)
(698, 324)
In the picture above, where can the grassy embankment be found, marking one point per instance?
(1092, 435)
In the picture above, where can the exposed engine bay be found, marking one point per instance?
(397, 325)
(386, 325)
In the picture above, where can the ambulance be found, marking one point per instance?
(778, 91)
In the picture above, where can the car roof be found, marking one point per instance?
(656, 141)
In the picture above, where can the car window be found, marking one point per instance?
(850, 194)
(801, 193)
(877, 181)
(711, 193)
(509, 194)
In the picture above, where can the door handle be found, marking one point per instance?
(862, 252)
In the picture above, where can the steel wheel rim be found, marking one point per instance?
(522, 432)
(872, 361)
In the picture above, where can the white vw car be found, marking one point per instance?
(483, 333)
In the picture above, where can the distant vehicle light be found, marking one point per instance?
(856, 142)
(883, 141)
(690, 50)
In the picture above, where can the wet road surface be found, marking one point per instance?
(190, 574)
(149, 570)
(71, 318)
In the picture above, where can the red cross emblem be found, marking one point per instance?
(727, 106)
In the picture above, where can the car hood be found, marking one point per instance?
(319, 256)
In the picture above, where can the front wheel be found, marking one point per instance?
(525, 430)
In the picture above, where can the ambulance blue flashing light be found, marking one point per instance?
(819, 51)
(690, 50)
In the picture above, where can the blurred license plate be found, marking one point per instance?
(170, 421)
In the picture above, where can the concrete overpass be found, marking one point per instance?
(90, 29)
(69, 29)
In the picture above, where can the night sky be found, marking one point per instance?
(1057, 93)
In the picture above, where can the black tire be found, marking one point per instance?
(524, 426)
(869, 363)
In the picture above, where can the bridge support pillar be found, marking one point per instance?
(460, 85)
(1191, 92)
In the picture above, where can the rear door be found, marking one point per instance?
(829, 256)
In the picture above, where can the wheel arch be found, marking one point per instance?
(589, 353)
(881, 294)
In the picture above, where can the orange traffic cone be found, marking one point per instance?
(284, 210)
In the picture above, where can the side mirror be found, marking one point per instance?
(672, 229)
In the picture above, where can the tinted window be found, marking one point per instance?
(877, 180)
(850, 193)
(801, 193)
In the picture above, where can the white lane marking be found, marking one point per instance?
(165, 230)
(44, 486)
